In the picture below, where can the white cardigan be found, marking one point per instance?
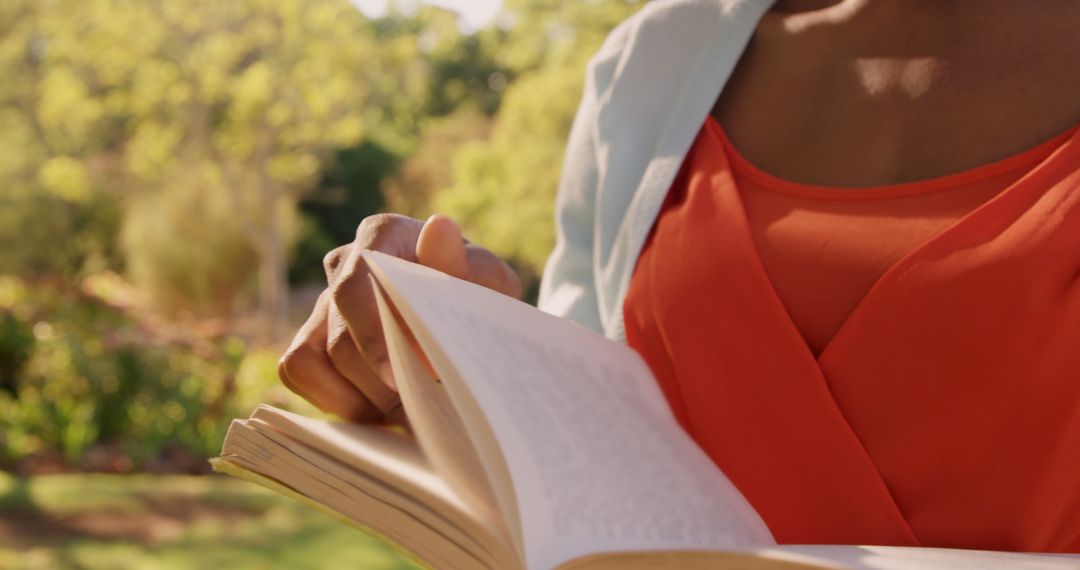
(647, 93)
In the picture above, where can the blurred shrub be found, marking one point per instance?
(94, 374)
(185, 248)
(46, 235)
(16, 345)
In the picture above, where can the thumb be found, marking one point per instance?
(440, 246)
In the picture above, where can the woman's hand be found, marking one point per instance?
(338, 360)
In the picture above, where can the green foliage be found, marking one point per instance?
(349, 191)
(235, 104)
(411, 190)
(46, 235)
(16, 346)
(185, 251)
(94, 374)
(555, 33)
(503, 188)
(503, 192)
(465, 70)
(193, 147)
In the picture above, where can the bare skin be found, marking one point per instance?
(849, 93)
(872, 92)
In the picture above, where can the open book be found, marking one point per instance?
(540, 444)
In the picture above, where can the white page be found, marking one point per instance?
(400, 517)
(385, 455)
(597, 460)
(436, 423)
(911, 558)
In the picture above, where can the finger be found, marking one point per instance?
(487, 269)
(333, 260)
(441, 246)
(307, 370)
(351, 364)
(354, 301)
(353, 295)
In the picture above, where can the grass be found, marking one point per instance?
(164, 522)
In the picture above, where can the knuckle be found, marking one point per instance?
(390, 233)
(372, 226)
(332, 260)
(282, 373)
(371, 345)
(338, 345)
(345, 289)
(292, 363)
(286, 379)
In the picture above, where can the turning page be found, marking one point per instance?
(436, 423)
(597, 461)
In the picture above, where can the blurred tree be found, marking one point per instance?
(541, 33)
(429, 68)
(52, 221)
(465, 69)
(431, 89)
(503, 188)
(347, 192)
(238, 100)
(191, 144)
(430, 169)
(211, 123)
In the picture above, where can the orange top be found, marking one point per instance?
(893, 365)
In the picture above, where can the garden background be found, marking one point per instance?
(171, 174)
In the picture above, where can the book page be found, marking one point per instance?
(421, 522)
(905, 558)
(827, 557)
(597, 461)
(435, 422)
(377, 451)
(381, 454)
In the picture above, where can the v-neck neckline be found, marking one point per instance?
(907, 262)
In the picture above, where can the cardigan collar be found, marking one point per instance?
(674, 66)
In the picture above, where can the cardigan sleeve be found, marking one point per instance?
(569, 286)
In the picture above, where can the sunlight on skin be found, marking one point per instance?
(839, 12)
(878, 75)
(914, 76)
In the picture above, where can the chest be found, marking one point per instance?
(850, 110)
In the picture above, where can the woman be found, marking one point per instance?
(845, 235)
